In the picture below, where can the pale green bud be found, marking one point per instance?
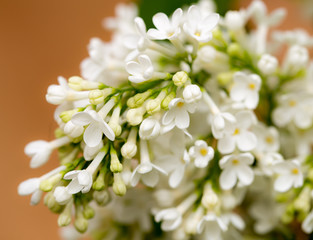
(135, 116)
(302, 203)
(81, 224)
(115, 165)
(99, 184)
(75, 83)
(64, 220)
(88, 212)
(52, 204)
(47, 184)
(58, 133)
(119, 187)
(310, 174)
(153, 106)
(180, 78)
(102, 197)
(166, 101)
(67, 115)
(218, 35)
(235, 50)
(138, 99)
(117, 129)
(209, 200)
(225, 78)
(96, 96)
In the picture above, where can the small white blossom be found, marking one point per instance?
(149, 128)
(201, 153)
(290, 175)
(235, 20)
(223, 124)
(140, 71)
(211, 226)
(192, 93)
(268, 64)
(246, 89)
(236, 167)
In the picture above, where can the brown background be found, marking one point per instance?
(40, 40)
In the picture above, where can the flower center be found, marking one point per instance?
(295, 171)
(252, 86)
(235, 161)
(197, 34)
(203, 151)
(292, 103)
(269, 140)
(180, 104)
(236, 132)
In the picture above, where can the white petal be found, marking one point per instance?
(156, 34)
(150, 179)
(211, 21)
(84, 178)
(134, 68)
(74, 187)
(168, 117)
(35, 146)
(245, 174)
(93, 134)
(81, 119)
(246, 141)
(71, 174)
(176, 176)
(202, 162)
(227, 179)
(40, 158)
(245, 119)
(107, 130)
(283, 183)
(161, 21)
(182, 119)
(135, 178)
(36, 197)
(252, 100)
(307, 224)
(226, 145)
(28, 187)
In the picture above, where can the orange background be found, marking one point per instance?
(40, 40)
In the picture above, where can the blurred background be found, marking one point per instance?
(40, 40)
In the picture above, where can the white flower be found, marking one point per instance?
(192, 93)
(146, 171)
(307, 224)
(211, 226)
(202, 153)
(290, 175)
(200, 26)
(241, 135)
(294, 107)
(61, 194)
(268, 64)
(235, 20)
(234, 219)
(297, 57)
(268, 138)
(82, 179)
(171, 219)
(166, 28)
(178, 113)
(149, 128)
(58, 94)
(294, 37)
(223, 124)
(73, 130)
(140, 71)
(40, 150)
(236, 167)
(97, 126)
(246, 89)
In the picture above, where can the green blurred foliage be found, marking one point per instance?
(147, 8)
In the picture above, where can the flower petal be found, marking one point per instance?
(245, 174)
(150, 179)
(246, 141)
(81, 119)
(227, 179)
(283, 183)
(226, 145)
(93, 134)
(176, 176)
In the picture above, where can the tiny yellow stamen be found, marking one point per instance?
(269, 139)
(292, 103)
(236, 131)
(235, 161)
(295, 171)
(252, 86)
(180, 104)
(198, 34)
(203, 151)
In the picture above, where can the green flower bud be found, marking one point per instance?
(47, 184)
(180, 78)
(88, 212)
(102, 197)
(99, 184)
(115, 165)
(58, 133)
(153, 106)
(65, 217)
(96, 96)
(67, 115)
(52, 204)
(138, 99)
(119, 187)
(81, 224)
(225, 78)
(166, 101)
(235, 50)
(75, 83)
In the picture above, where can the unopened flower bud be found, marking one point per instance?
(149, 128)
(115, 165)
(209, 199)
(67, 115)
(88, 212)
(47, 184)
(137, 100)
(65, 217)
(153, 106)
(225, 78)
(61, 195)
(81, 224)
(129, 150)
(75, 83)
(99, 183)
(52, 204)
(167, 100)
(235, 50)
(180, 78)
(267, 64)
(192, 93)
(134, 116)
(102, 197)
(119, 187)
(234, 20)
(96, 97)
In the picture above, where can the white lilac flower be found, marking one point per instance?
(149, 128)
(241, 136)
(211, 226)
(73, 130)
(192, 93)
(246, 89)
(200, 26)
(142, 70)
(166, 28)
(201, 153)
(289, 175)
(268, 138)
(58, 94)
(96, 124)
(294, 37)
(146, 171)
(297, 58)
(81, 180)
(293, 108)
(223, 124)
(40, 150)
(236, 167)
(31, 186)
(268, 64)
(178, 113)
(233, 219)
(235, 20)
(172, 217)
